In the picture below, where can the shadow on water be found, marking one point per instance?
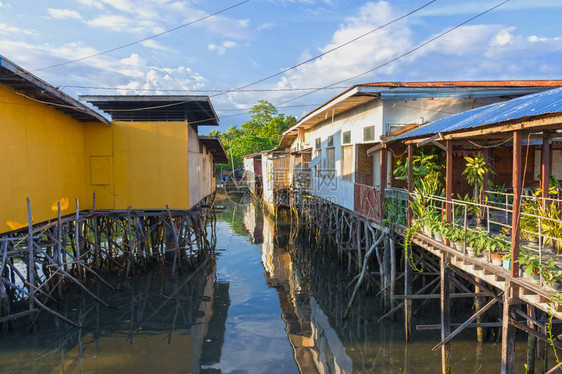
(272, 302)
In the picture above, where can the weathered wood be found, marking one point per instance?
(438, 296)
(465, 324)
(472, 325)
(546, 169)
(516, 208)
(449, 181)
(445, 314)
(30, 255)
(508, 331)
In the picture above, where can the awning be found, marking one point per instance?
(314, 162)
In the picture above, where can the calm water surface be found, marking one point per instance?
(269, 304)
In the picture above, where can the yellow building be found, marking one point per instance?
(55, 149)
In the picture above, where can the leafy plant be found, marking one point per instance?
(530, 262)
(474, 172)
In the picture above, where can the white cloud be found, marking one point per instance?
(91, 3)
(8, 29)
(125, 24)
(221, 48)
(64, 14)
(265, 26)
(5, 5)
(152, 44)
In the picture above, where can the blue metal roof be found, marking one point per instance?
(546, 102)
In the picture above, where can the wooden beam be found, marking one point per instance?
(438, 296)
(465, 324)
(410, 181)
(516, 184)
(383, 171)
(428, 140)
(546, 168)
(375, 148)
(445, 314)
(439, 145)
(472, 325)
(551, 122)
(449, 181)
(508, 330)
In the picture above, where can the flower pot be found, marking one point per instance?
(506, 264)
(438, 236)
(458, 246)
(426, 231)
(497, 258)
(471, 252)
(533, 276)
(556, 285)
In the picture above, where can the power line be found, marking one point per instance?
(63, 86)
(328, 51)
(400, 56)
(144, 39)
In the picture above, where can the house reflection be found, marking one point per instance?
(163, 325)
(316, 345)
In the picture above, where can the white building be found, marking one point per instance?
(344, 132)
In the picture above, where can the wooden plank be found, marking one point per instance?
(551, 122)
(449, 181)
(438, 296)
(515, 224)
(472, 325)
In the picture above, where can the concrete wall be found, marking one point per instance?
(355, 120)
(41, 157)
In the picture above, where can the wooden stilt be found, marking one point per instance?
(478, 303)
(30, 258)
(531, 342)
(508, 331)
(407, 268)
(445, 314)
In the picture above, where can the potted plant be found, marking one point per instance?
(531, 265)
(506, 261)
(475, 243)
(501, 248)
(456, 235)
(436, 227)
(475, 169)
(551, 273)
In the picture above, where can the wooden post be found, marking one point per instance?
(410, 180)
(383, 170)
(392, 274)
(449, 181)
(508, 331)
(30, 258)
(515, 232)
(407, 268)
(445, 313)
(546, 168)
(486, 152)
(531, 340)
(478, 303)
(77, 240)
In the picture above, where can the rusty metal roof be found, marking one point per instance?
(445, 84)
(34, 88)
(521, 108)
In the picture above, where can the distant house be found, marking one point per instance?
(253, 171)
(55, 149)
(344, 134)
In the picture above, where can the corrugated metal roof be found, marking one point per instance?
(539, 104)
(35, 88)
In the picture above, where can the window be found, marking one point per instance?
(330, 162)
(346, 139)
(347, 163)
(369, 134)
(330, 141)
(318, 143)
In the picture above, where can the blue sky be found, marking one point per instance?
(522, 39)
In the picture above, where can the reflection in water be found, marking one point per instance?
(226, 318)
(161, 325)
(312, 283)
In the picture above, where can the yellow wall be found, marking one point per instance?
(136, 164)
(41, 157)
(48, 156)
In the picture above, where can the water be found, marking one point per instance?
(270, 304)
